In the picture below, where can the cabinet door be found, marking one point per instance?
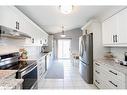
(7, 17)
(109, 29)
(122, 21)
(41, 67)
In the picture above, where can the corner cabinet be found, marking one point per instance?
(114, 30)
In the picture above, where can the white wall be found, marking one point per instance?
(8, 45)
(74, 36)
(98, 49)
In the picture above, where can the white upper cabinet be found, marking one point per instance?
(114, 30)
(13, 18)
(7, 17)
(122, 21)
(109, 28)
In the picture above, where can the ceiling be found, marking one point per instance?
(51, 19)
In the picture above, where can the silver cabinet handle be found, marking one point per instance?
(97, 72)
(113, 83)
(97, 64)
(113, 38)
(112, 72)
(97, 82)
(116, 38)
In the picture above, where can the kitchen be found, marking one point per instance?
(37, 54)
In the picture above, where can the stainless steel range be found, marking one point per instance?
(27, 70)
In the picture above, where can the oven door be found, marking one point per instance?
(30, 77)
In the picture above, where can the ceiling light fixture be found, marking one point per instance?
(66, 9)
(63, 35)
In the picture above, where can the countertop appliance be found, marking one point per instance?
(44, 49)
(27, 70)
(86, 57)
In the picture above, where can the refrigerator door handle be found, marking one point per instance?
(81, 48)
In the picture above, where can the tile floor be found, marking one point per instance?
(72, 79)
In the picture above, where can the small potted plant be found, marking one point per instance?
(23, 53)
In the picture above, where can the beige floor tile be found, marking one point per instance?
(72, 79)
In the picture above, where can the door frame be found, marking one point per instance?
(70, 45)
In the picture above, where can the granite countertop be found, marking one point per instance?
(35, 57)
(112, 64)
(9, 83)
(6, 73)
(6, 82)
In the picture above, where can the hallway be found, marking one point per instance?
(72, 79)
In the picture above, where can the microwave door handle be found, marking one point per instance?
(24, 72)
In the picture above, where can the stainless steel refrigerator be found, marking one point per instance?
(86, 57)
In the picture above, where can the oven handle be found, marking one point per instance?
(26, 72)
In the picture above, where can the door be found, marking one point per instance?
(64, 48)
(86, 48)
(80, 46)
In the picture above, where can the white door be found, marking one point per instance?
(64, 48)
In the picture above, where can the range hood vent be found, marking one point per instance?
(11, 33)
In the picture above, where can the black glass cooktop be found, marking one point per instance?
(21, 65)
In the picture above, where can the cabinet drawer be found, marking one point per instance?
(99, 72)
(115, 74)
(99, 82)
(99, 69)
(115, 84)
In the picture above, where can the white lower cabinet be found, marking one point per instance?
(49, 60)
(41, 67)
(108, 78)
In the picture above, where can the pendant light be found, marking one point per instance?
(63, 35)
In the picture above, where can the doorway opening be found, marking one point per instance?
(64, 48)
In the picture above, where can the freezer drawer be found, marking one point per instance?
(86, 72)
